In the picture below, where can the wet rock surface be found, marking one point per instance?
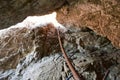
(41, 59)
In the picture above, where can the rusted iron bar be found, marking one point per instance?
(74, 72)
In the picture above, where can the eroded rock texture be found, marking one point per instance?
(36, 55)
(102, 16)
(22, 41)
(32, 52)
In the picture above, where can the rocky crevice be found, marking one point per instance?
(91, 54)
(91, 40)
(102, 16)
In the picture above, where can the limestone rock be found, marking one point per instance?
(91, 57)
(30, 49)
(30, 35)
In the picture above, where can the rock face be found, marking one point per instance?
(14, 11)
(32, 52)
(102, 16)
(29, 35)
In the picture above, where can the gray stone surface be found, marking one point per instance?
(91, 55)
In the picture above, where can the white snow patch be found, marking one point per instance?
(37, 21)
